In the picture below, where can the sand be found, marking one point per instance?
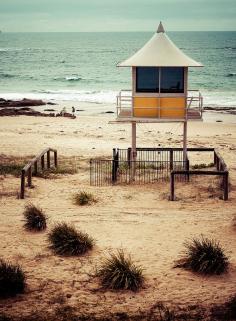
(138, 219)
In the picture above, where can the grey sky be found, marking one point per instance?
(116, 15)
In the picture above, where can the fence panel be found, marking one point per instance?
(108, 172)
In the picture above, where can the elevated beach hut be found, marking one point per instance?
(160, 90)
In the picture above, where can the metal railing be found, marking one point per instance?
(221, 171)
(157, 164)
(33, 166)
(151, 165)
(124, 103)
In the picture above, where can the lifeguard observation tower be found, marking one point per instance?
(160, 90)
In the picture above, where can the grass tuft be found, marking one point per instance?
(53, 172)
(12, 280)
(35, 219)
(119, 272)
(202, 165)
(84, 198)
(65, 240)
(225, 311)
(11, 169)
(204, 256)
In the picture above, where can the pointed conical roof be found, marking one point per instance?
(160, 51)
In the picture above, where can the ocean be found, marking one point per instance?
(82, 66)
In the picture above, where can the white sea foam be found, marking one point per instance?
(210, 98)
(92, 96)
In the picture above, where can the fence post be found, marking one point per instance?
(35, 168)
(171, 159)
(172, 186)
(55, 158)
(217, 162)
(30, 176)
(129, 156)
(48, 159)
(42, 162)
(187, 168)
(214, 158)
(114, 165)
(226, 185)
(22, 185)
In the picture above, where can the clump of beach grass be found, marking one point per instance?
(202, 165)
(118, 272)
(225, 311)
(204, 256)
(12, 280)
(55, 172)
(65, 240)
(35, 219)
(84, 198)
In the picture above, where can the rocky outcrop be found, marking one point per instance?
(26, 111)
(21, 103)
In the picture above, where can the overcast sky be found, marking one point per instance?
(116, 15)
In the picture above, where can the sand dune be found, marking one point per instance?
(137, 218)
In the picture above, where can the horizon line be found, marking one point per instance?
(115, 31)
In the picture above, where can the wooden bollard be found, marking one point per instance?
(172, 187)
(55, 158)
(22, 185)
(48, 159)
(42, 162)
(226, 185)
(171, 160)
(35, 168)
(30, 177)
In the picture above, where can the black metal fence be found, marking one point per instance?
(151, 165)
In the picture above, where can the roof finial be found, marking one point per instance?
(160, 28)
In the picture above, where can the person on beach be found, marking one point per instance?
(73, 110)
(63, 111)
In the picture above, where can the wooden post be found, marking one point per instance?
(35, 168)
(30, 176)
(171, 159)
(48, 159)
(22, 185)
(55, 158)
(129, 156)
(172, 187)
(185, 141)
(42, 162)
(226, 185)
(113, 175)
(187, 168)
(214, 158)
(133, 154)
(133, 151)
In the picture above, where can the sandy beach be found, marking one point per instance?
(137, 218)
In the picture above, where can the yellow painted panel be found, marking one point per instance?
(172, 107)
(146, 106)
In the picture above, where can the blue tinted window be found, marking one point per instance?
(172, 80)
(147, 79)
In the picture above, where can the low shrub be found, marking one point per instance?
(55, 172)
(35, 219)
(202, 165)
(119, 272)
(12, 280)
(225, 311)
(84, 198)
(204, 256)
(11, 169)
(65, 240)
